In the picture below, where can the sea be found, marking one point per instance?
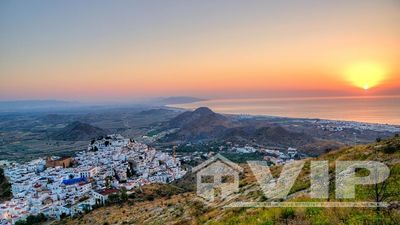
(370, 109)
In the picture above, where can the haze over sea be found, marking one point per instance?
(371, 109)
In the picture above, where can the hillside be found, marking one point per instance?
(77, 131)
(202, 125)
(201, 118)
(186, 208)
(269, 136)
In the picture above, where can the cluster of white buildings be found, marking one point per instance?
(109, 165)
(277, 157)
(336, 126)
(245, 149)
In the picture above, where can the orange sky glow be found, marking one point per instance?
(207, 50)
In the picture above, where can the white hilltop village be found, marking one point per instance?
(59, 187)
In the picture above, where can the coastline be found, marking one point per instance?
(348, 110)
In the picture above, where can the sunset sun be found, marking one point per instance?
(365, 75)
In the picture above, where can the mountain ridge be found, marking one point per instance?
(178, 100)
(78, 131)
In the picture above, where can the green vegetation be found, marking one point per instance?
(31, 220)
(119, 197)
(27, 150)
(287, 214)
(243, 157)
(391, 148)
(5, 187)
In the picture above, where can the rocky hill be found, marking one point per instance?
(201, 118)
(202, 125)
(77, 131)
(198, 125)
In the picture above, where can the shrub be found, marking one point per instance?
(268, 222)
(287, 214)
(389, 149)
(31, 219)
(198, 208)
(124, 196)
(312, 212)
(149, 198)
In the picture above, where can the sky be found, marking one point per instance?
(123, 50)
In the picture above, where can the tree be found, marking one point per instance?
(387, 190)
(36, 219)
(2, 178)
(113, 198)
(128, 172)
(32, 220)
(124, 195)
(149, 198)
(21, 222)
(94, 149)
(108, 181)
(389, 149)
(287, 213)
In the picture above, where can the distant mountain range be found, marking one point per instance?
(34, 105)
(78, 131)
(57, 105)
(178, 100)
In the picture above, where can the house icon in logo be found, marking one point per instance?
(218, 177)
